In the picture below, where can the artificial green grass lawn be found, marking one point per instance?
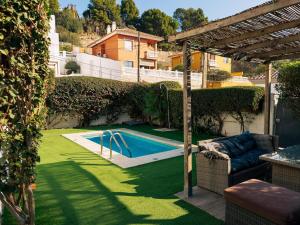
(75, 186)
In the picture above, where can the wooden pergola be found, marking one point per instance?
(263, 34)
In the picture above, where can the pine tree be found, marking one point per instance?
(53, 7)
(103, 13)
(129, 12)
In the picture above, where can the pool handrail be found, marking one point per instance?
(125, 144)
(101, 139)
(116, 141)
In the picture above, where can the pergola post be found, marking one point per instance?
(187, 119)
(205, 69)
(268, 81)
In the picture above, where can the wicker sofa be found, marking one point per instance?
(217, 169)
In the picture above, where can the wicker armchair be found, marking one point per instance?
(214, 168)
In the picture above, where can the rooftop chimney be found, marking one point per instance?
(114, 26)
(108, 29)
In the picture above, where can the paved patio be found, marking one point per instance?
(210, 202)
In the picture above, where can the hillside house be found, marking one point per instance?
(122, 45)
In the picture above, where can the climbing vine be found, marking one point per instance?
(23, 80)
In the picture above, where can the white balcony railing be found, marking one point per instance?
(151, 55)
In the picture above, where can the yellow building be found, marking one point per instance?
(214, 62)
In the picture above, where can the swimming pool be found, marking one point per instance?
(138, 146)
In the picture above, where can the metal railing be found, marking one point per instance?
(113, 138)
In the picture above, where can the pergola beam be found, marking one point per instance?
(295, 55)
(275, 53)
(266, 44)
(249, 14)
(256, 34)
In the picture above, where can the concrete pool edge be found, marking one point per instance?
(123, 161)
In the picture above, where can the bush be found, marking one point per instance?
(89, 97)
(218, 75)
(67, 36)
(155, 99)
(210, 105)
(72, 67)
(289, 85)
(66, 47)
(136, 100)
(178, 68)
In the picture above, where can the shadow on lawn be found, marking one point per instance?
(68, 194)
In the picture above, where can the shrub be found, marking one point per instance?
(66, 47)
(88, 97)
(91, 98)
(218, 75)
(24, 72)
(210, 105)
(67, 36)
(136, 100)
(72, 67)
(178, 68)
(155, 98)
(289, 85)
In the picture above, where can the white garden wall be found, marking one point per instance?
(72, 121)
(96, 66)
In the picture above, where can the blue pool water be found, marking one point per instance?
(138, 146)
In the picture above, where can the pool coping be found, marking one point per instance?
(123, 161)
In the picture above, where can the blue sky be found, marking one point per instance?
(214, 9)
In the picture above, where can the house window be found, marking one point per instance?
(128, 45)
(128, 63)
(212, 57)
(226, 60)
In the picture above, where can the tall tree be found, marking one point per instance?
(103, 13)
(189, 18)
(68, 18)
(53, 7)
(156, 22)
(129, 12)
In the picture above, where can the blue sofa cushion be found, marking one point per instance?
(244, 142)
(247, 160)
(225, 146)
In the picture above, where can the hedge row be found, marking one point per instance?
(210, 105)
(88, 97)
(289, 85)
(93, 97)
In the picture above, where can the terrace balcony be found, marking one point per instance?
(151, 54)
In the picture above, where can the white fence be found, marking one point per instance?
(153, 76)
(95, 66)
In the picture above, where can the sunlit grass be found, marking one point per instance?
(75, 186)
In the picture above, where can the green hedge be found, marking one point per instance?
(91, 98)
(289, 85)
(88, 97)
(209, 106)
(155, 100)
(94, 97)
